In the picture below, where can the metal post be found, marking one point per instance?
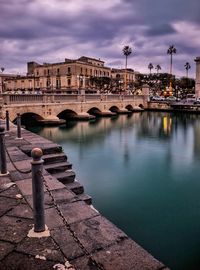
(19, 126)
(38, 190)
(7, 121)
(3, 164)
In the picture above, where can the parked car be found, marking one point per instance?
(172, 98)
(197, 101)
(157, 98)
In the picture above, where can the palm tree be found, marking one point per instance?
(158, 67)
(150, 67)
(171, 51)
(126, 51)
(2, 69)
(187, 67)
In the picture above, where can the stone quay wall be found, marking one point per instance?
(84, 240)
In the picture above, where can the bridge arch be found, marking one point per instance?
(29, 118)
(94, 111)
(114, 109)
(141, 106)
(67, 114)
(129, 107)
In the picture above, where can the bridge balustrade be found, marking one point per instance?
(63, 98)
(20, 99)
(51, 98)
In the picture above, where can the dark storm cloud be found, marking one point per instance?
(50, 30)
(160, 30)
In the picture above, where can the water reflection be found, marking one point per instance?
(143, 174)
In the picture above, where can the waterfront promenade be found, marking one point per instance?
(84, 239)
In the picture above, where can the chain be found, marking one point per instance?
(65, 222)
(25, 172)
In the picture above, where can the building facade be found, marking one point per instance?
(197, 81)
(67, 76)
(118, 78)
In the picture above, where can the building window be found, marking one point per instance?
(58, 83)
(45, 72)
(58, 71)
(37, 72)
(86, 71)
(81, 70)
(90, 72)
(69, 82)
(69, 70)
(48, 71)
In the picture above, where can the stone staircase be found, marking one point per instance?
(56, 164)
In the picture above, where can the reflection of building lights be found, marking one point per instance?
(167, 124)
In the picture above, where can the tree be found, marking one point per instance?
(150, 67)
(171, 51)
(158, 67)
(187, 67)
(126, 51)
(2, 69)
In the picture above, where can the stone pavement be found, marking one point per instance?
(95, 242)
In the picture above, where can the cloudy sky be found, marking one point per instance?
(51, 30)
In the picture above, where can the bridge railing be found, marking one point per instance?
(51, 98)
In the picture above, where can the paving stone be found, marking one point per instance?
(25, 186)
(97, 233)
(21, 211)
(4, 180)
(17, 261)
(83, 263)
(127, 255)
(14, 229)
(24, 165)
(11, 192)
(16, 175)
(77, 211)
(44, 247)
(52, 218)
(5, 248)
(60, 195)
(66, 242)
(7, 204)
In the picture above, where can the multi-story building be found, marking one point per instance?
(67, 76)
(71, 76)
(118, 78)
(3, 80)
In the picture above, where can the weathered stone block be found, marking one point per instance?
(14, 229)
(5, 248)
(43, 247)
(97, 233)
(24, 262)
(67, 243)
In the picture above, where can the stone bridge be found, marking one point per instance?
(51, 108)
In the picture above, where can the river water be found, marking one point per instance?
(143, 173)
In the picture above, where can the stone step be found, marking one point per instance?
(86, 198)
(54, 158)
(50, 148)
(65, 177)
(75, 187)
(58, 167)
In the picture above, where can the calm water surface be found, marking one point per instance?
(143, 173)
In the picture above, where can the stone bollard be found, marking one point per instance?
(19, 126)
(3, 164)
(38, 190)
(7, 121)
